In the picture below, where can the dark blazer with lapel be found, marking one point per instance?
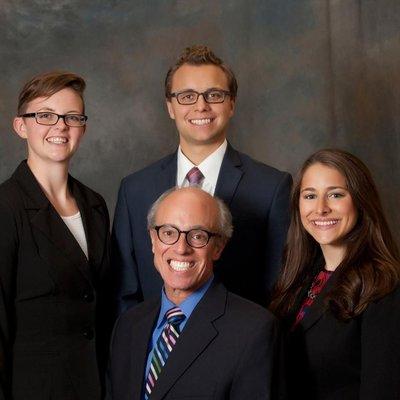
(49, 292)
(257, 196)
(356, 360)
(227, 350)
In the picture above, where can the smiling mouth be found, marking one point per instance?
(325, 223)
(180, 266)
(57, 140)
(201, 121)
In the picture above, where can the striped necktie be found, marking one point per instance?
(194, 177)
(164, 345)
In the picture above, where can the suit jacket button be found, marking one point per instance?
(88, 297)
(88, 333)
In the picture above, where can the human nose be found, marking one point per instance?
(61, 122)
(322, 206)
(182, 246)
(201, 103)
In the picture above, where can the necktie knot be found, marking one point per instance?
(175, 316)
(194, 176)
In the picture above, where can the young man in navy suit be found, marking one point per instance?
(196, 340)
(200, 94)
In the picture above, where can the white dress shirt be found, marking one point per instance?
(209, 167)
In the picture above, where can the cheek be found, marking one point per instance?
(304, 209)
(78, 134)
(353, 217)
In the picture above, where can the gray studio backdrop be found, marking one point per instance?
(311, 74)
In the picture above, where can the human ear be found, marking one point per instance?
(170, 109)
(20, 127)
(153, 238)
(219, 247)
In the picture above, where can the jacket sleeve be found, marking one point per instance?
(278, 223)
(380, 349)
(123, 261)
(258, 374)
(8, 264)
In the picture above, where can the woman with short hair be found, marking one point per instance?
(54, 241)
(338, 293)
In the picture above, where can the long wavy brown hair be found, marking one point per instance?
(371, 266)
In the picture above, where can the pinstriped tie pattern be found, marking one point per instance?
(194, 176)
(165, 343)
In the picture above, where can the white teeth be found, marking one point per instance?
(57, 140)
(325, 223)
(179, 265)
(203, 121)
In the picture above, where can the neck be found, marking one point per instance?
(333, 255)
(53, 178)
(197, 153)
(177, 296)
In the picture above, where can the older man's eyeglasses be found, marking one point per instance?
(50, 118)
(210, 96)
(196, 238)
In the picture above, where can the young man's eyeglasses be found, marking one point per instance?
(210, 96)
(196, 238)
(50, 118)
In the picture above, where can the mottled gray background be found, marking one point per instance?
(312, 73)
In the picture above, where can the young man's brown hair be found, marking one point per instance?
(200, 55)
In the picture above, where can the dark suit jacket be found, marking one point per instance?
(226, 351)
(257, 196)
(359, 359)
(49, 292)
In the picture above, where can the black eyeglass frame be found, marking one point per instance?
(204, 94)
(63, 116)
(209, 235)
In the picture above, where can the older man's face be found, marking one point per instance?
(183, 268)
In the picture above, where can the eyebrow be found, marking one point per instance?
(194, 90)
(311, 189)
(52, 110)
(190, 228)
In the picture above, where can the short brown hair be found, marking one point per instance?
(200, 55)
(46, 84)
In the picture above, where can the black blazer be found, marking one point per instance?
(49, 293)
(257, 196)
(227, 350)
(359, 359)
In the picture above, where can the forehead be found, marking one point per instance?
(187, 209)
(199, 77)
(320, 175)
(65, 99)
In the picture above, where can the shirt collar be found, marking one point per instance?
(209, 167)
(187, 306)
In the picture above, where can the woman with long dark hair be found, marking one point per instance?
(54, 239)
(338, 293)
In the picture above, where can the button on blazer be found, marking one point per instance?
(52, 298)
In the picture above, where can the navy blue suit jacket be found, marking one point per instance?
(229, 349)
(258, 197)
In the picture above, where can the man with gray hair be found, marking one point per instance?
(196, 339)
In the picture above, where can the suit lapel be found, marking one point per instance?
(318, 307)
(138, 351)
(229, 175)
(198, 333)
(166, 179)
(56, 245)
(93, 220)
